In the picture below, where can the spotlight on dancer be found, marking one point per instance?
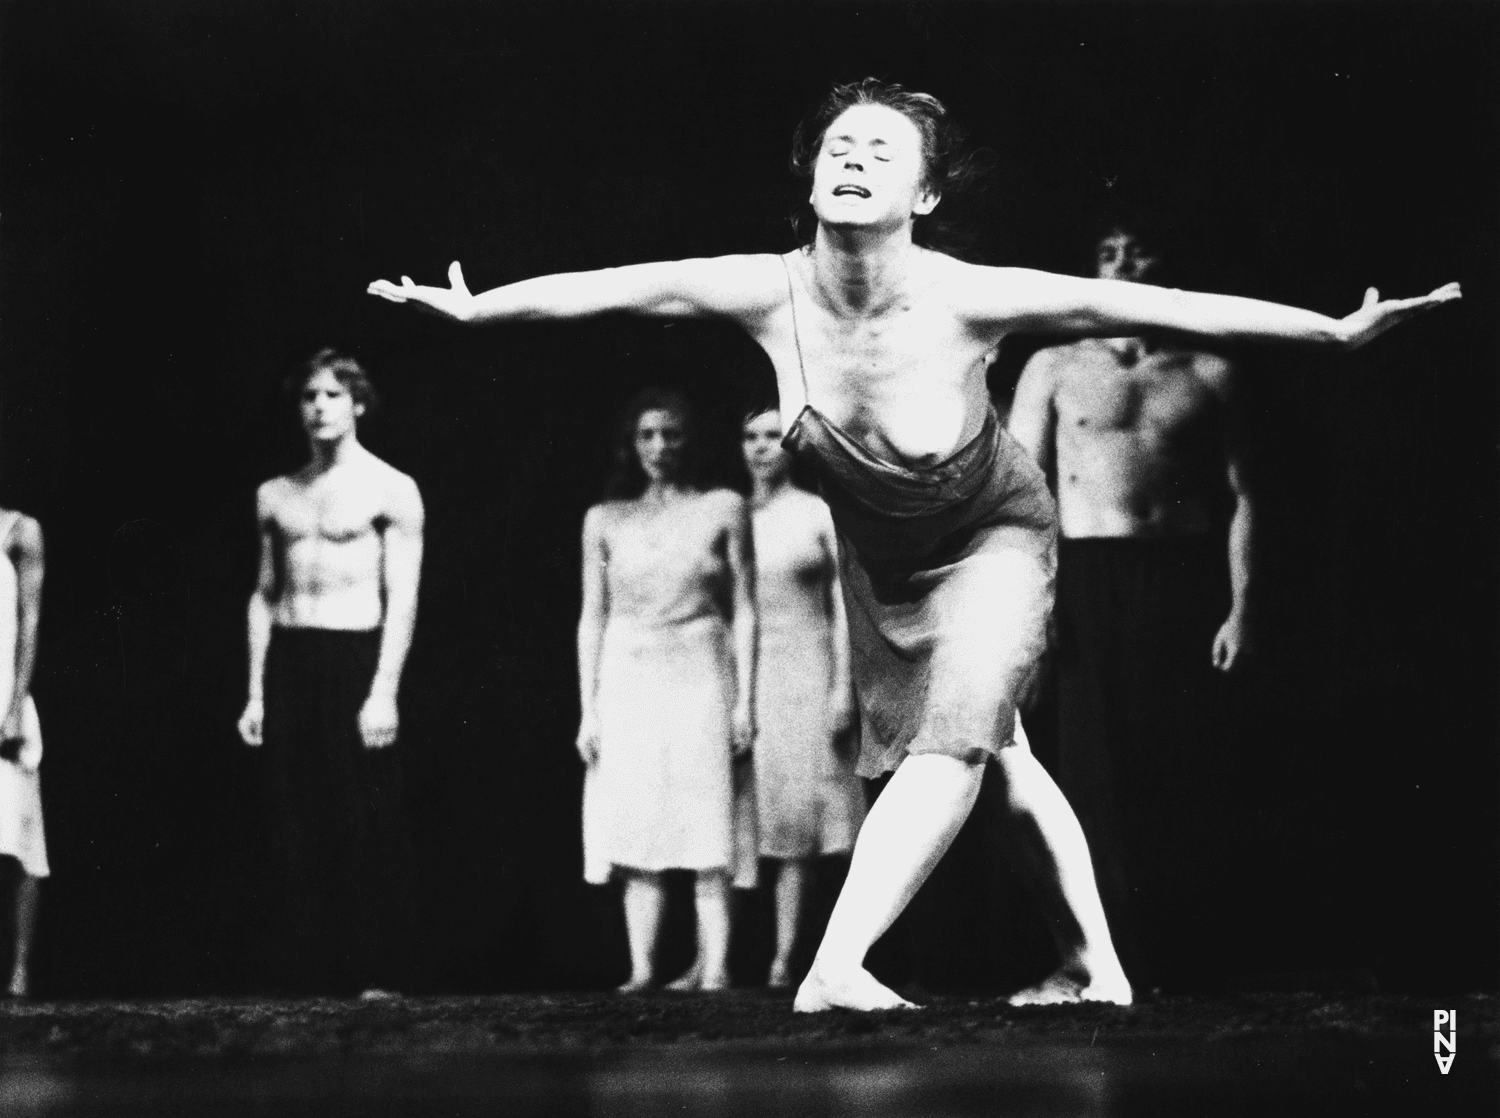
(23, 844)
(666, 685)
(330, 625)
(945, 523)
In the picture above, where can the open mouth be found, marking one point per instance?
(850, 189)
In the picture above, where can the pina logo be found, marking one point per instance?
(1441, 1017)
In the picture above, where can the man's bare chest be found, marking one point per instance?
(333, 515)
(1163, 398)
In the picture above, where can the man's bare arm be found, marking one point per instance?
(401, 573)
(1001, 300)
(258, 620)
(1033, 413)
(27, 553)
(1233, 636)
(735, 287)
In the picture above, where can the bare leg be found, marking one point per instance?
(711, 895)
(907, 831)
(690, 979)
(791, 888)
(645, 898)
(1052, 851)
(27, 899)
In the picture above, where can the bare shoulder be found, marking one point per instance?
(1217, 372)
(1048, 364)
(743, 286)
(809, 507)
(604, 517)
(725, 504)
(398, 494)
(25, 534)
(271, 495)
(813, 511)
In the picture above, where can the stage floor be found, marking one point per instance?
(743, 1054)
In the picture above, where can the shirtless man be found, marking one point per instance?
(330, 624)
(1140, 437)
(945, 527)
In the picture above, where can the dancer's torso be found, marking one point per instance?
(667, 565)
(329, 534)
(1141, 435)
(907, 381)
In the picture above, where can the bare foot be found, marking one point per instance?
(636, 985)
(690, 979)
(855, 988)
(20, 984)
(376, 994)
(1072, 984)
(780, 977)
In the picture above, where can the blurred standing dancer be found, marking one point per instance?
(946, 529)
(1141, 438)
(666, 685)
(21, 836)
(809, 800)
(330, 626)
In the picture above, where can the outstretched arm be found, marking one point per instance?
(735, 287)
(1020, 299)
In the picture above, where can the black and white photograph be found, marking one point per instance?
(735, 558)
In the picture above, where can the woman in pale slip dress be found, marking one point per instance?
(809, 801)
(666, 664)
(21, 836)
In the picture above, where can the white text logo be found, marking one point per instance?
(1440, 1018)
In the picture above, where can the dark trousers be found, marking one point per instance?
(1145, 753)
(342, 865)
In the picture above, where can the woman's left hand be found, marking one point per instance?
(1375, 316)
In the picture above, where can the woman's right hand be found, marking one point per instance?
(588, 739)
(454, 301)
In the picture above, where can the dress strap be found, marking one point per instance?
(796, 337)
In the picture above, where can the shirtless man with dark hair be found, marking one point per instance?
(1140, 437)
(330, 625)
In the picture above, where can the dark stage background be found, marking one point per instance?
(195, 196)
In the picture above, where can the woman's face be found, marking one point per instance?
(760, 442)
(660, 438)
(869, 171)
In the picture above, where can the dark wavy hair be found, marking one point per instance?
(349, 372)
(626, 479)
(949, 167)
